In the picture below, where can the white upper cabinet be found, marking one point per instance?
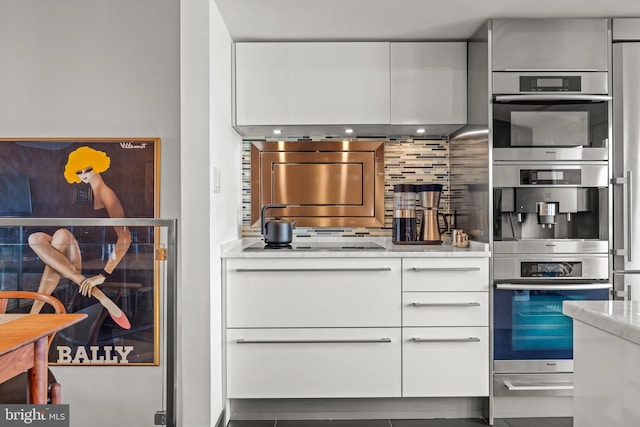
(428, 83)
(310, 83)
(550, 44)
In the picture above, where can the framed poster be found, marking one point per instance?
(109, 273)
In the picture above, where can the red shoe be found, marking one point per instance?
(121, 321)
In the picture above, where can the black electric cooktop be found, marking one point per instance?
(315, 246)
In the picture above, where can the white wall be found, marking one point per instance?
(98, 68)
(194, 294)
(226, 206)
(208, 141)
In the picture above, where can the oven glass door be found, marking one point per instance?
(559, 126)
(529, 324)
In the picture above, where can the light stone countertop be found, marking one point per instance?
(234, 249)
(620, 318)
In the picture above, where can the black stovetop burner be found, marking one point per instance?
(316, 246)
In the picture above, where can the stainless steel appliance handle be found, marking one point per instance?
(552, 97)
(531, 387)
(306, 270)
(626, 293)
(537, 287)
(542, 70)
(470, 339)
(445, 304)
(328, 341)
(445, 269)
(629, 213)
(628, 184)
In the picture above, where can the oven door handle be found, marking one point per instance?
(533, 387)
(553, 98)
(536, 287)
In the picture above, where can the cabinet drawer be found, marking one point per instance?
(445, 309)
(445, 362)
(327, 292)
(445, 274)
(313, 363)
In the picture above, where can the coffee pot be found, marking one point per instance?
(430, 231)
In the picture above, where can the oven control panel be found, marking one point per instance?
(551, 269)
(550, 177)
(550, 83)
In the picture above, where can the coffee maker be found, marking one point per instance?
(404, 214)
(430, 201)
(561, 207)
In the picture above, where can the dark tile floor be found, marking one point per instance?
(506, 422)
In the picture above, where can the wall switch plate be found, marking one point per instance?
(216, 177)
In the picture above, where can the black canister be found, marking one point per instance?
(404, 213)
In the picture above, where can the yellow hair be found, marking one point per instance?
(82, 158)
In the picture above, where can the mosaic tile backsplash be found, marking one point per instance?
(418, 161)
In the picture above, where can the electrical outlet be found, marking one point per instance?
(160, 418)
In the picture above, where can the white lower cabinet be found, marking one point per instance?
(313, 363)
(344, 328)
(318, 292)
(445, 327)
(313, 327)
(445, 309)
(445, 274)
(606, 378)
(445, 362)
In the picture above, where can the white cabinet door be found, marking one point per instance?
(313, 363)
(445, 362)
(320, 292)
(307, 83)
(445, 274)
(606, 379)
(550, 44)
(428, 83)
(445, 309)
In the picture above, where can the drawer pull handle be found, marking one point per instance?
(307, 270)
(470, 339)
(350, 341)
(445, 304)
(453, 269)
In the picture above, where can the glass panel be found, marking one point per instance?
(538, 322)
(128, 324)
(548, 128)
(529, 324)
(566, 124)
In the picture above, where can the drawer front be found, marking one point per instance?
(445, 274)
(445, 362)
(326, 292)
(445, 309)
(313, 363)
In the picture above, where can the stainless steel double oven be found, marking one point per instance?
(551, 221)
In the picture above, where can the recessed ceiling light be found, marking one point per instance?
(421, 130)
(348, 130)
(277, 131)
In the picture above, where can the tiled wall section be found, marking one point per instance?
(413, 162)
